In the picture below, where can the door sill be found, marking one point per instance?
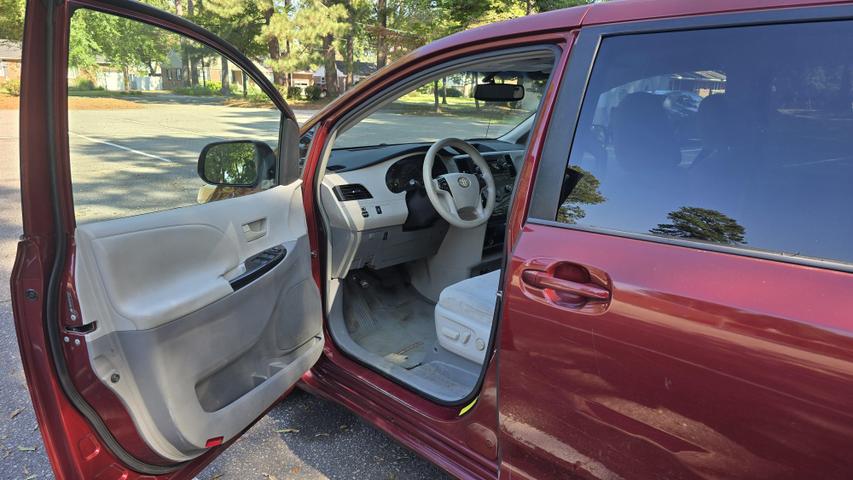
(377, 406)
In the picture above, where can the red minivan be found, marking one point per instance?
(620, 249)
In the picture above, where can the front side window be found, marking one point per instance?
(144, 104)
(740, 137)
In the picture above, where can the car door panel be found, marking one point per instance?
(195, 359)
(712, 357)
(686, 375)
(150, 340)
(161, 266)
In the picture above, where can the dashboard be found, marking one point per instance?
(378, 209)
(408, 173)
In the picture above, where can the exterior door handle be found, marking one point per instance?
(546, 280)
(557, 283)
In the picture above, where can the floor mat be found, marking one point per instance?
(386, 316)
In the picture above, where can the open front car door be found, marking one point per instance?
(153, 334)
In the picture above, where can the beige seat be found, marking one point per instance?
(464, 315)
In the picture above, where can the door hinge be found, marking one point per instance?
(315, 254)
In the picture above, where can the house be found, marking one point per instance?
(302, 79)
(361, 70)
(10, 60)
(175, 75)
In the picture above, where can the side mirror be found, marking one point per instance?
(498, 92)
(236, 163)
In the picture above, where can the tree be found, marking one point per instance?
(127, 44)
(382, 27)
(273, 43)
(12, 19)
(580, 188)
(241, 27)
(335, 25)
(310, 31)
(82, 45)
(258, 17)
(330, 66)
(548, 5)
(437, 107)
(702, 224)
(358, 14)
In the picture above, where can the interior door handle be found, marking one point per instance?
(543, 280)
(255, 230)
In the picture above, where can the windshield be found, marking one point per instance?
(446, 107)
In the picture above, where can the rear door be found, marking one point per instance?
(158, 314)
(679, 301)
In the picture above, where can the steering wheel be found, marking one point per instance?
(456, 196)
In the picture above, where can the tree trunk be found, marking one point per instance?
(476, 102)
(435, 96)
(193, 62)
(185, 59)
(331, 69)
(288, 76)
(274, 50)
(444, 90)
(350, 46)
(350, 79)
(226, 90)
(126, 74)
(381, 47)
(194, 70)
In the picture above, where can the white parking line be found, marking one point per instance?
(162, 159)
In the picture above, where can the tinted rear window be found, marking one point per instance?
(737, 136)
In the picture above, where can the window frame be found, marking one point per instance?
(556, 152)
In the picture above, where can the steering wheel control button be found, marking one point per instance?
(442, 184)
(378, 210)
(364, 212)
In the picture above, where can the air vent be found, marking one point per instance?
(354, 191)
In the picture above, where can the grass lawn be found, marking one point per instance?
(112, 94)
(254, 100)
(416, 103)
(412, 104)
(8, 102)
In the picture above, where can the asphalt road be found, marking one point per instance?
(160, 142)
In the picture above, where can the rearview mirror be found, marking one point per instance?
(237, 163)
(499, 92)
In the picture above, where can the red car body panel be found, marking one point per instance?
(704, 365)
(665, 383)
